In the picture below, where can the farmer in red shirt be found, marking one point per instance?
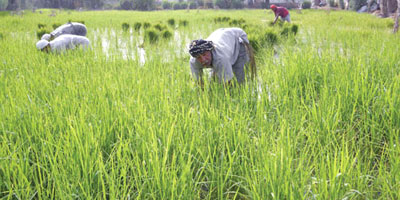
(280, 12)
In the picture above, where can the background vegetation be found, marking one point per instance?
(125, 120)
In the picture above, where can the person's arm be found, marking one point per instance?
(276, 18)
(197, 71)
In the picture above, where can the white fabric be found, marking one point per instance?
(46, 37)
(227, 43)
(41, 44)
(73, 28)
(67, 41)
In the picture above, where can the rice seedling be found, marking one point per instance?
(41, 25)
(125, 26)
(146, 25)
(41, 32)
(137, 26)
(166, 34)
(183, 23)
(171, 22)
(56, 25)
(151, 35)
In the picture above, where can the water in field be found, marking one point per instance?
(119, 44)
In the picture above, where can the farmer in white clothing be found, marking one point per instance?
(62, 43)
(72, 28)
(225, 51)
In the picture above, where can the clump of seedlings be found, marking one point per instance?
(41, 25)
(41, 32)
(56, 25)
(137, 26)
(171, 22)
(125, 26)
(146, 25)
(183, 22)
(151, 35)
(166, 34)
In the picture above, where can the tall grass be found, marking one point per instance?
(321, 121)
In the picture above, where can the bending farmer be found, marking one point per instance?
(280, 12)
(62, 43)
(72, 28)
(225, 51)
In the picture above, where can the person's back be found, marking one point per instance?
(68, 41)
(227, 40)
(281, 11)
(73, 28)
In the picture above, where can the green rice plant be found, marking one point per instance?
(41, 32)
(225, 19)
(159, 27)
(171, 22)
(78, 21)
(146, 25)
(151, 35)
(137, 26)
(234, 22)
(1, 36)
(285, 31)
(125, 26)
(166, 34)
(40, 25)
(183, 22)
(306, 5)
(56, 25)
(294, 29)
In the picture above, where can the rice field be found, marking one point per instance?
(125, 120)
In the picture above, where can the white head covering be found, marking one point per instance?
(46, 37)
(42, 44)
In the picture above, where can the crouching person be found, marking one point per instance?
(225, 51)
(62, 43)
(72, 28)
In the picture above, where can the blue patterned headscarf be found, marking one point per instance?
(199, 46)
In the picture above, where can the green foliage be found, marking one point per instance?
(183, 22)
(176, 6)
(78, 21)
(151, 36)
(159, 27)
(125, 26)
(146, 25)
(143, 4)
(1, 36)
(294, 28)
(357, 4)
(222, 19)
(171, 22)
(237, 4)
(306, 5)
(56, 25)
(223, 4)
(41, 32)
(137, 26)
(192, 5)
(183, 5)
(390, 24)
(332, 3)
(166, 34)
(166, 5)
(41, 25)
(237, 22)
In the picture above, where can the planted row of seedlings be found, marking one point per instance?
(264, 37)
(152, 33)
